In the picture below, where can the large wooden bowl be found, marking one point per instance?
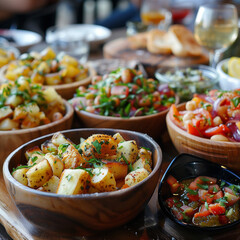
(65, 90)
(12, 139)
(153, 125)
(224, 153)
(83, 213)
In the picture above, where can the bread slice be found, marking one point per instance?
(138, 40)
(183, 43)
(158, 42)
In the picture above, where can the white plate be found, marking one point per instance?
(94, 34)
(21, 39)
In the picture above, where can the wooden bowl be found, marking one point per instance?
(65, 90)
(224, 153)
(83, 213)
(12, 139)
(153, 125)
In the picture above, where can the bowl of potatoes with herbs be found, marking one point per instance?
(60, 71)
(83, 179)
(28, 111)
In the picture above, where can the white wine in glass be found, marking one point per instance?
(216, 28)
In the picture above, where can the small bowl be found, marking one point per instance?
(224, 153)
(153, 125)
(65, 90)
(184, 89)
(12, 139)
(188, 166)
(226, 82)
(83, 213)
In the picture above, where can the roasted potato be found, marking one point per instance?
(136, 176)
(51, 185)
(127, 151)
(119, 169)
(56, 164)
(73, 181)
(20, 175)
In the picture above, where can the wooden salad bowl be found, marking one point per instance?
(65, 90)
(153, 125)
(12, 139)
(224, 153)
(82, 214)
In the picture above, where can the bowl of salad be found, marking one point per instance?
(199, 194)
(186, 81)
(124, 99)
(208, 126)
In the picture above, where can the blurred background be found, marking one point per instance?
(39, 15)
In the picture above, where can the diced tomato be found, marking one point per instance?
(202, 213)
(175, 116)
(231, 198)
(204, 196)
(193, 130)
(189, 211)
(217, 209)
(120, 91)
(221, 129)
(202, 180)
(171, 202)
(223, 219)
(177, 213)
(192, 197)
(173, 183)
(206, 118)
(214, 188)
(229, 190)
(218, 195)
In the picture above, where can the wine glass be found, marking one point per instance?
(154, 14)
(216, 28)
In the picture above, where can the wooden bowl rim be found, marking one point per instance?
(65, 86)
(67, 116)
(117, 119)
(113, 194)
(195, 138)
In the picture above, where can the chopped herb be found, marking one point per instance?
(206, 205)
(190, 191)
(202, 186)
(97, 146)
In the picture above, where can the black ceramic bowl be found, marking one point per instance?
(186, 166)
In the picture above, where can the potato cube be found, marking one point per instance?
(136, 176)
(31, 151)
(47, 54)
(118, 137)
(58, 139)
(13, 101)
(53, 79)
(72, 158)
(119, 169)
(56, 164)
(39, 174)
(5, 112)
(49, 147)
(142, 163)
(103, 180)
(8, 124)
(51, 185)
(73, 181)
(20, 175)
(146, 154)
(127, 151)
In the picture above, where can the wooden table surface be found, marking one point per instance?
(149, 224)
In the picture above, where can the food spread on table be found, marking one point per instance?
(100, 163)
(46, 68)
(124, 93)
(204, 201)
(25, 105)
(215, 116)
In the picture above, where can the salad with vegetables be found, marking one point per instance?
(215, 116)
(124, 93)
(204, 201)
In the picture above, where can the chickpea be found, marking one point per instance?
(217, 121)
(188, 116)
(57, 116)
(191, 105)
(219, 138)
(90, 109)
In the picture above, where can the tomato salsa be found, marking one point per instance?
(203, 201)
(215, 116)
(124, 93)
